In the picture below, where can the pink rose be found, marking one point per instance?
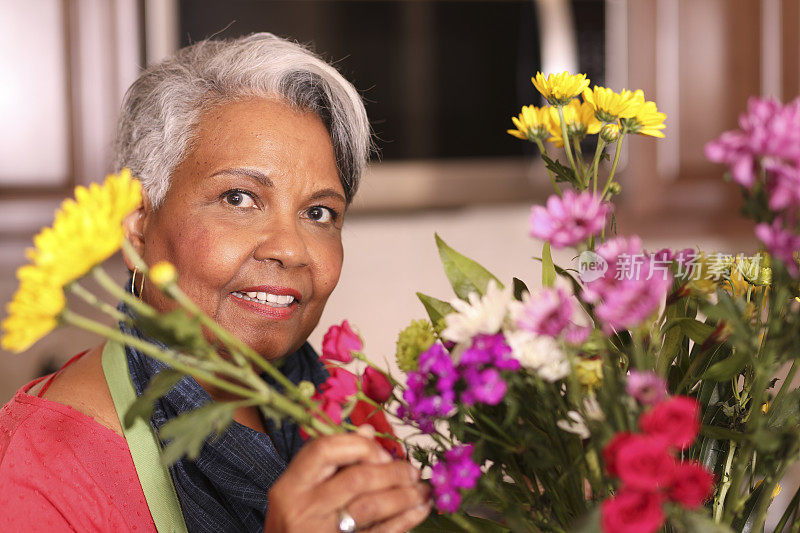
(376, 386)
(632, 512)
(340, 386)
(675, 421)
(692, 485)
(644, 463)
(611, 451)
(339, 342)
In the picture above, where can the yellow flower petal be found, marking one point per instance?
(34, 310)
(579, 118)
(647, 120)
(609, 105)
(531, 124)
(559, 89)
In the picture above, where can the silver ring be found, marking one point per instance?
(347, 524)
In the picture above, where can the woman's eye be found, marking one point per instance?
(239, 199)
(322, 214)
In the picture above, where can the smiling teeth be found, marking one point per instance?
(276, 300)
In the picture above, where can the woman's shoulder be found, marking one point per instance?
(60, 469)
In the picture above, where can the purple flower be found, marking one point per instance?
(632, 288)
(569, 220)
(647, 388)
(768, 131)
(780, 242)
(430, 392)
(485, 386)
(549, 312)
(783, 184)
(489, 350)
(457, 471)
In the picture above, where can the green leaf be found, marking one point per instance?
(177, 330)
(672, 342)
(441, 523)
(696, 522)
(728, 367)
(519, 289)
(187, 433)
(436, 309)
(562, 174)
(694, 329)
(159, 385)
(719, 433)
(784, 415)
(466, 276)
(548, 268)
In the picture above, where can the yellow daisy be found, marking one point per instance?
(531, 123)
(87, 230)
(648, 120)
(609, 106)
(34, 310)
(559, 89)
(579, 118)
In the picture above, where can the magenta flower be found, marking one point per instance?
(783, 186)
(780, 242)
(456, 472)
(550, 312)
(569, 220)
(768, 130)
(632, 288)
(647, 388)
(430, 391)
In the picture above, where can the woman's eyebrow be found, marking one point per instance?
(253, 173)
(327, 193)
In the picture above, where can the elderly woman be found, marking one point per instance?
(250, 152)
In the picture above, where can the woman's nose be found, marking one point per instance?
(282, 241)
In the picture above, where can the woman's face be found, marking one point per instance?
(253, 222)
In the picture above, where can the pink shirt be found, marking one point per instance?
(60, 470)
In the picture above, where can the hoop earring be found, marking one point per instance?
(133, 284)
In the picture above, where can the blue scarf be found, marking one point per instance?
(225, 488)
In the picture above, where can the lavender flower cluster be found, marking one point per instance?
(455, 473)
(432, 389)
(768, 141)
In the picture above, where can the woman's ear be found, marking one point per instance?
(134, 227)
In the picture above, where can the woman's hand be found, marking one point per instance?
(349, 472)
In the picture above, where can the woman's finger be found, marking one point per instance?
(403, 522)
(356, 480)
(376, 507)
(323, 457)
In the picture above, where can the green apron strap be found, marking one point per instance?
(144, 445)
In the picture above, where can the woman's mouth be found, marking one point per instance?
(273, 300)
(276, 303)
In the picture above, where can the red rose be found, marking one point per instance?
(676, 421)
(376, 386)
(632, 512)
(364, 413)
(339, 342)
(644, 463)
(611, 451)
(340, 386)
(692, 485)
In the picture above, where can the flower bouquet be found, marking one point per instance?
(634, 391)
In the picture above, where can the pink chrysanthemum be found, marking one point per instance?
(781, 243)
(631, 289)
(569, 220)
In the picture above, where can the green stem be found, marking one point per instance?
(787, 382)
(601, 144)
(113, 288)
(565, 138)
(614, 164)
(94, 301)
(176, 361)
(543, 151)
(719, 501)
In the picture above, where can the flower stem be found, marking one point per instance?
(719, 501)
(93, 300)
(567, 146)
(543, 151)
(118, 292)
(601, 144)
(614, 164)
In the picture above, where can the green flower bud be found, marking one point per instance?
(412, 341)
(306, 388)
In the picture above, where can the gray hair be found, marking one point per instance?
(163, 106)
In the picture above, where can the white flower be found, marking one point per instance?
(539, 353)
(592, 409)
(575, 424)
(482, 315)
